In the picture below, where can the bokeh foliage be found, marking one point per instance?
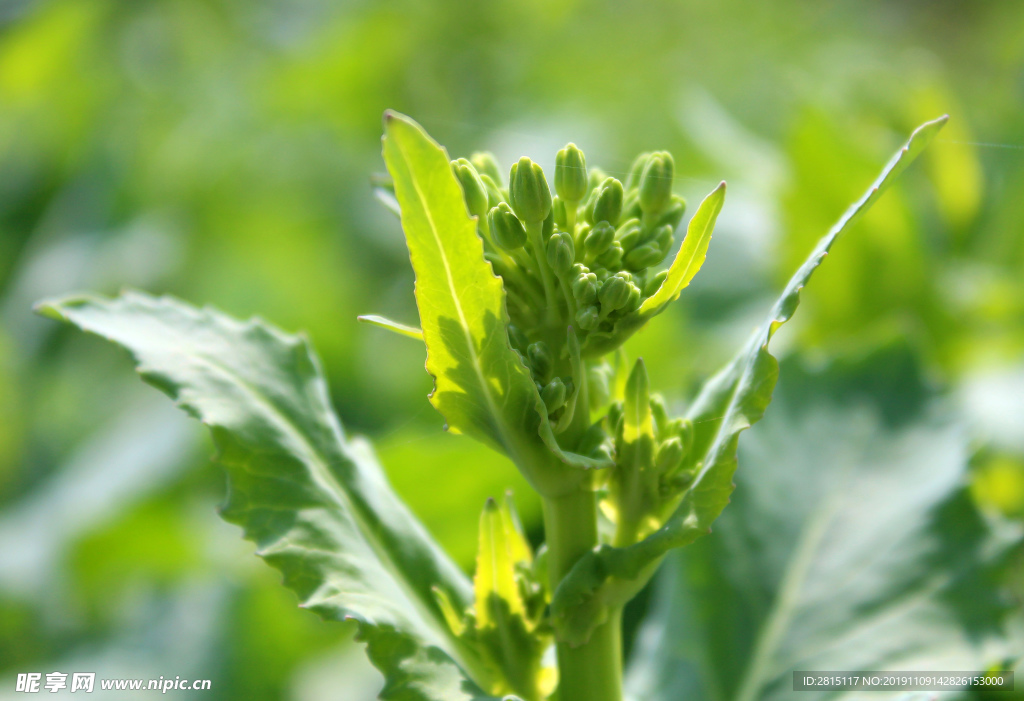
(221, 151)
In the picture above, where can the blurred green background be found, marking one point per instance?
(221, 151)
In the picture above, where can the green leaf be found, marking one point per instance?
(851, 544)
(636, 413)
(482, 387)
(731, 401)
(316, 503)
(385, 323)
(496, 567)
(691, 254)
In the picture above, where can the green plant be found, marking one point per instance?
(522, 296)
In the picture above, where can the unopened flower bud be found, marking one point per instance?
(486, 164)
(507, 230)
(612, 258)
(595, 177)
(673, 214)
(631, 205)
(654, 283)
(634, 299)
(571, 174)
(608, 205)
(614, 293)
(584, 289)
(669, 455)
(643, 256)
(684, 429)
(540, 359)
(553, 394)
(656, 182)
(599, 239)
(558, 212)
(517, 338)
(494, 196)
(588, 318)
(663, 239)
(561, 253)
(628, 235)
(633, 179)
(473, 189)
(528, 191)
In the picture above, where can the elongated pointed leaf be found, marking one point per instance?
(731, 401)
(316, 504)
(482, 387)
(394, 326)
(851, 544)
(691, 254)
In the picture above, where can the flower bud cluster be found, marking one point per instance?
(650, 470)
(583, 257)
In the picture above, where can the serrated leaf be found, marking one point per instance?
(691, 254)
(316, 503)
(731, 401)
(482, 387)
(851, 544)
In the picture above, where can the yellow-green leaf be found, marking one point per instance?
(691, 254)
(481, 386)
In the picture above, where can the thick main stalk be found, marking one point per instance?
(592, 671)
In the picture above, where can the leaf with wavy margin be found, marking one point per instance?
(852, 543)
(317, 504)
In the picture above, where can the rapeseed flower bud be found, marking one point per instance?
(634, 299)
(612, 258)
(554, 394)
(558, 213)
(656, 182)
(528, 191)
(517, 338)
(561, 253)
(584, 289)
(631, 205)
(654, 283)
(486, 164)
(669, 455)
(643, 257)
(539, 356)
(673, 214)
(633, 179)
(662, 238)
(507, 230)
(598, 239)
(473, 189)
(608, 203)
(595, 176)
(571, 174)
(494, 194)
(628, 235)
(614, 293)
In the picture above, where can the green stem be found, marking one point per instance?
(533, 231)
(592, 671)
